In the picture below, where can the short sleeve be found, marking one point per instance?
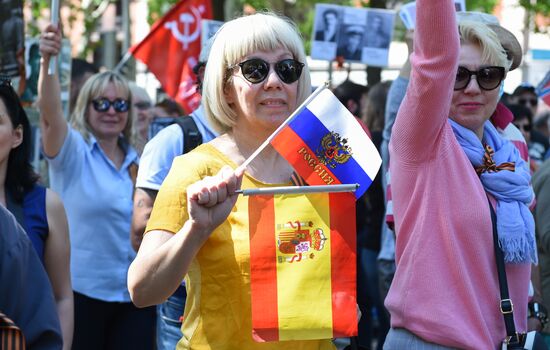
(66, 166)
(70, 152)
(170, 208)
(157, 157)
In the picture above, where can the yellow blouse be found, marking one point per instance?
(218, 308)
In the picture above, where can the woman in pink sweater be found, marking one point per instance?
(445, 293)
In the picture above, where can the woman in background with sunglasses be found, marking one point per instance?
(255, 78)
(447, 158)
(92, 165)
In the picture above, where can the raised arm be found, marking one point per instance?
(52, 123)
(164, 258)
(434, 61)
(396, 93)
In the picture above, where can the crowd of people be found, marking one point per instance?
(141, 240)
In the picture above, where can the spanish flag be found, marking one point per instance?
(302, 266)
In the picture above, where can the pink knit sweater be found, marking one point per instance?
(445, 288)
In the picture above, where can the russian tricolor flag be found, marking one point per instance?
(326, 145)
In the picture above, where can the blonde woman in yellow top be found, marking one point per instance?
(255, 78)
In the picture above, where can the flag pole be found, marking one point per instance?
(288, 120)
(54, 17)
(299, 189)
(122, 61)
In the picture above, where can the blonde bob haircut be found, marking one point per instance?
(479, 34)
(94, 88)
(235, 40)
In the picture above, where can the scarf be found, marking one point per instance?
(506, 176)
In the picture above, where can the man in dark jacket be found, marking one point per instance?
(26, 295)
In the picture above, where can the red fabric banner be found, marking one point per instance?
(172, 47)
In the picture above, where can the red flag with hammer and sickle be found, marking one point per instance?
(172, 47)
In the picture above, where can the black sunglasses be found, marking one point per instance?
(103, 104)
(143, 105)
(531, 101)
(525, 127)
(488, 78)
(255, 70)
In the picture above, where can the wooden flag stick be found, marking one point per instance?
(54, 17)
(288, 120)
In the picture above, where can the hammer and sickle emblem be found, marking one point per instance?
(187, 19)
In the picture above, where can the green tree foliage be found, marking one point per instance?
(486, 6)
(538, 7)
(157, 8)
(90, 10)
(37, 7)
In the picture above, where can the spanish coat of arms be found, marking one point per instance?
(299, 240)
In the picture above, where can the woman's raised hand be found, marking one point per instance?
(50, 42)
(210, 200)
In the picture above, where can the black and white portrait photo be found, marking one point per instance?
(328, 28)
(378, 32)
(352, 34)
(350, 45)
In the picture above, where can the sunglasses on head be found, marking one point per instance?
(488, 78)
(103, 104)
(255, 70)
(530, 101)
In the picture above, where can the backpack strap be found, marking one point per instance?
(191, 134)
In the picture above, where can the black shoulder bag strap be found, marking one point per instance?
(191, 134)
(506, 306)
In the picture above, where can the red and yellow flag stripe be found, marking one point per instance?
(303, 266)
